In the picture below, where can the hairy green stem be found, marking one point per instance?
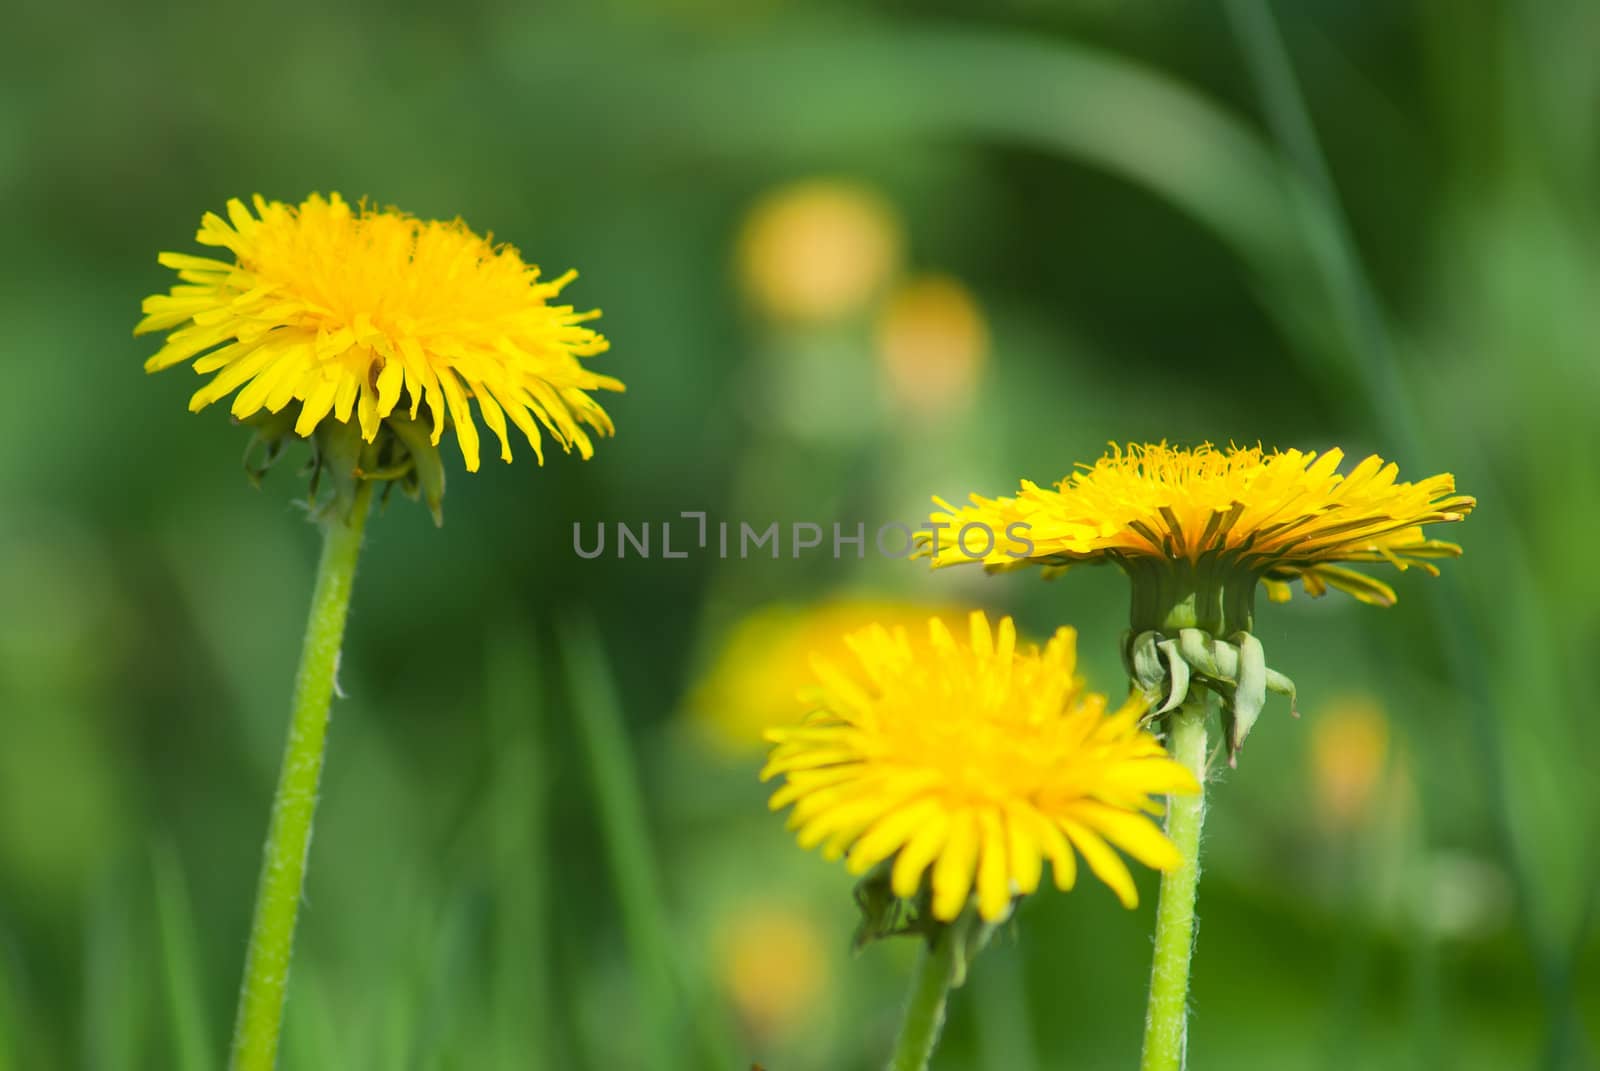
(1167, 1022)
(283, 866)
(939, 967)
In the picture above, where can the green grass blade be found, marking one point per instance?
(1000, 996)
(13, 1008)
(518, 808)
(1332, 248)
(191, 1037)
(1372, 351)
(311, 1033)
(598, 713)
(112, 1004)
(445, 986)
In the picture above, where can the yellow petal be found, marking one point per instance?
(888, 835)
(390, 381)
(461, 417)
(994, 873)
(316, 406)
(952, 871)
(1105, 863)
(1022, 849)
(919, 851)
(1134, 834)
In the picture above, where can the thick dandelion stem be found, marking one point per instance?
(283, 866)
(938, 968)
(1167, 1022)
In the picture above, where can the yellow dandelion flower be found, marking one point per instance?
(756, 681)
(974, 763)
(1273, 517)
(354, 313)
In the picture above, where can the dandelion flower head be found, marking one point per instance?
(1275, 515)
(973, 762)
(346, 312)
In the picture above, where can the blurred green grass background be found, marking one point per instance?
(532, 853)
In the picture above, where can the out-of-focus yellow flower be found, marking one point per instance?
(818, 251)
(756, 681)
(1240, 512)
(1349, 750)
(328, 311)
(974, 762)
(932, 341)
(773, 965)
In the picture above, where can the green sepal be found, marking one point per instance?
(883, 914)
(973, 933)
(1205, 654)
(401, 453)
(1235, 671)
(426, 479)
(337, 464)
(1279, 684)
(272, 432)
(1178, 690)
(1144, 661)
(1250, 692)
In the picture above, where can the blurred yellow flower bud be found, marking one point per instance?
(818, 251)
(932, 342)
(773, 967)
(1349, 750)
(764, 662)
